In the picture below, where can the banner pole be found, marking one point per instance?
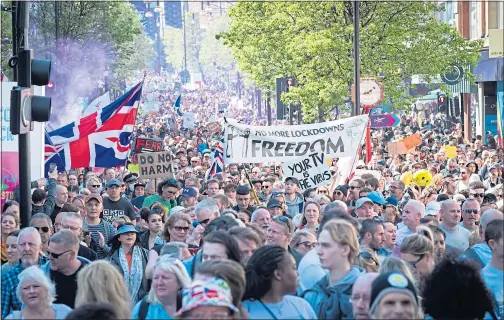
(251, 186)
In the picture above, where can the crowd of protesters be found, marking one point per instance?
(246, 243)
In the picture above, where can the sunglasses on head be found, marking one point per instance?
(284, 220)
(43, 229)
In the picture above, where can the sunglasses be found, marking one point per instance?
(186, 229)
(265, 187)
(308, 244)
(43, 229)
(352, 187)
(95, 185)
(414, 264)
(284, 220)
(478, 195)
(57, 255)
(323, 192)
(368, 256)
(471, 211)
(204, 221)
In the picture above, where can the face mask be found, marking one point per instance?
(132, 187)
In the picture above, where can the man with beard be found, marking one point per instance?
(372, 234)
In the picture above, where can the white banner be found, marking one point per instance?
(188, 120)
(257, 144)
(311, 171)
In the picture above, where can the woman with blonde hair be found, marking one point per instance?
(337, 248)
(367, 259)
(169, 277)
(100, 281)
(303, 241)
(93, 184)
(418, 251)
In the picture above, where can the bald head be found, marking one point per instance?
(417, 207)
(447, 204)
(489, 216)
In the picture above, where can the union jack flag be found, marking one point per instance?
(101, 139)
(52, 154)
(218, 160)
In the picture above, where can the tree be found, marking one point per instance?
(313, 42)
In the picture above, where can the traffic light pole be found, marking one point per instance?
(20, 31)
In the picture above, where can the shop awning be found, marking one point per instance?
(489, 69)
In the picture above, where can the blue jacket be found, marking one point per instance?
(192, 263)
(333, 302)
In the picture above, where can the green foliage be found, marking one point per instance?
(5, 28)
(313, 42)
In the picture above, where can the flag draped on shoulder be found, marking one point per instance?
(177, 105)
(218, 160)
(101, 139)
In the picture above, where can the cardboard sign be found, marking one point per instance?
(148, 145)
(156, 165)
(311, 171)
(412, 141)
(451, 151)
(188, 120)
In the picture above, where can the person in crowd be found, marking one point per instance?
(361, 295)
(11, 206)
(477, 191)
(10, 223)
(189, 195)
(340, 193)
(367, 259)
(354, 189)
(37, 294)
(262, 218)
(337, 249)
(456, 236)
(418, 251)
(212, 188)
(218, 245)
(101, 281)
(29, 247)
(101, 231)
(455, 290)
(493, 273)
(390, 234)
(130, 258)
(364, 208)
(303, 241)
(206, 211)
(293, 199)
(243, 199)
(230, 192)
(73, 191)
(470, 215)
(372, 234)
(275, 207)
(73, 221)
(481, 253)
(311, 216)
(439, 237)
(222, 201)
(412, 212)
(169, 277)
(42, 201)
(271, 280)
(393, 296)
(11, 250)
(167, 193)
(248, 241)
(57, 221)
(94, 310)
(231, 272)
(60, 198)
(210, 299)
(155, 220)
(114, 205)
(93, 184)
(44, 226)
(280, 233)
(80, 203)
(395, 264)
(64, 265)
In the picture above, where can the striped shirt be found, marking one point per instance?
(108, 233)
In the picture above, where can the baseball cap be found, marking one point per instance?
(95, 196)
(361, 201)
(392, 200)
(432, 208)
(292, 179)
(130, 177)
(376, 197)
(113, 182)
(188, 192)
(388, 283)
(273, 203)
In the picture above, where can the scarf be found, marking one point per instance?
(133, 277)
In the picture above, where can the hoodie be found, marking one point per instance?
(295, 206)
(50, 202)
(333, 302)
(479, 253)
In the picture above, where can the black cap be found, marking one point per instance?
(243, 190)
(130, 177)
(388, 283)
(254, 181)
(296, 181)
(273, 203)
(343, 188)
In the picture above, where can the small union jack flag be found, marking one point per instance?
(218, 160)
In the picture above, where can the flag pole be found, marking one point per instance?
(251, 186)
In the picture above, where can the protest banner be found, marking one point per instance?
(148, 145)
(257, 144)
(188, 120)
(156, 165)
(412, 141)
(311, 171)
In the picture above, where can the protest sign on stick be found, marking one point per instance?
(156, 165)
(311, 171)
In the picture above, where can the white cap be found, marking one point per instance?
(432, 208)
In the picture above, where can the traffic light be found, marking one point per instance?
(442, 103)
(173, 14)
(26, 107)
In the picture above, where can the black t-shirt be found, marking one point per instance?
(114, 209)
(66, 287)
(87, 253)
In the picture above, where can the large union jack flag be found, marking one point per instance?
(101, 139)
(218, 160)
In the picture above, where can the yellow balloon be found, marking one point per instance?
(407, 178)
(134, 168)
(422, 178)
